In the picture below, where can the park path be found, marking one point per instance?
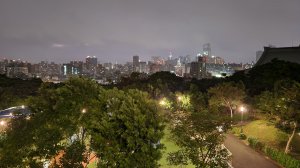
(245, 157)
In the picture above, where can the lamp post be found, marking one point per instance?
(242, 110)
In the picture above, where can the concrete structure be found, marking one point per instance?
(91, 63)
(136, 63)
(198, 69)
(258, 55)
(290, 54)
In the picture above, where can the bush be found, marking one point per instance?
(242, 136)
(256, 144)
(282, 158)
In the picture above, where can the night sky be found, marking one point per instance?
(115, 30)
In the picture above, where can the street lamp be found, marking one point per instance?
(83, 110)
(242, 110)
(179, 98)
(2, 123)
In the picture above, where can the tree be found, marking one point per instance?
(54, 127)
(284, 103)
(71, 121)
(200, 141)
(127, 131)
(227, 94)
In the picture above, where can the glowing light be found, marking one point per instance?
(162, 102)
(242, 109)
(179, 98)
(2, 123)
(83, 110)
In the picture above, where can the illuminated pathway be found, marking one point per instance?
(245, 157)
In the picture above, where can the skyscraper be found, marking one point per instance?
(136, 63)
(207, 50)
(91, 63)
(198, 68)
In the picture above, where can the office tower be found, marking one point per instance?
(91, 62)
(136, 63)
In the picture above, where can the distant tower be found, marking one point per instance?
(198, 68)
(136, 63)
(207, 50)
(91, 62)
(170, 56)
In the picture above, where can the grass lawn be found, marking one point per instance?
(267, 133)
(169, 147)
(92, 165)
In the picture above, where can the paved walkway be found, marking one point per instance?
(245, 157)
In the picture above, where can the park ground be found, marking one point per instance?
(265, 131)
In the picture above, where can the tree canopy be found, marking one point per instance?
(227, 94)
(70, 122)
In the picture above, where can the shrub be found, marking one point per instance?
(282, 158)
(242, 136)
(256, 144)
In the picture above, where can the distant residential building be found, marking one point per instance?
(3, 64)
(179, 68)
(290, 54)
(136, 63)
(17, 70)
(69, 69)
(198, 69)
(143, 67)
(235, 66)
(91, 63)
(153, 68)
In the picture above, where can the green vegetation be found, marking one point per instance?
(265, 132)
(265, 137)
(282, 158)
(123, 126)
(79, 118)
(229, 95)
(170, 146)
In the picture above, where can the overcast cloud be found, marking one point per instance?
(115, 30)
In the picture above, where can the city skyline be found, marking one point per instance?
(114, 31)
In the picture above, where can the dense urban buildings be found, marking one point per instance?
(204, 65)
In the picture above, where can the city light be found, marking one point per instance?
(179, 98)
(83, 110)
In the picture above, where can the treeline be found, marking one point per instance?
(13, 91)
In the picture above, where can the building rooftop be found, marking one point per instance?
(289, 54)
